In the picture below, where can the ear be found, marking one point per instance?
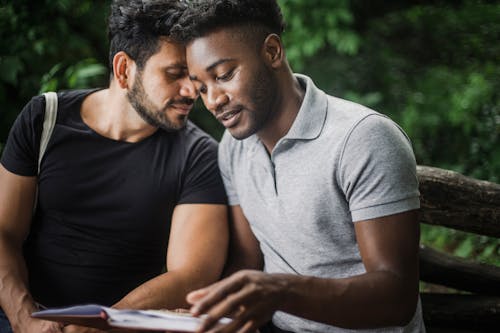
(273, 50)
(123, 66)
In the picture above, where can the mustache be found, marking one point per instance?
(181, 101)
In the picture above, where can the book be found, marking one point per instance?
(102, 317)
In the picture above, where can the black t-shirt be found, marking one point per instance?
(104, 210)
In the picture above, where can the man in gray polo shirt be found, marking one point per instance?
(323, 192)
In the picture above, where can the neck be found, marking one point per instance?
(109, 114)
(286, 109)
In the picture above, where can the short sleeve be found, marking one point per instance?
(225, 169)
(203, 183)
(378, 169)
(20, 154)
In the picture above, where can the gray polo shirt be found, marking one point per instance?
(339, 163)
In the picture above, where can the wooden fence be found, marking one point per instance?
(455, 201)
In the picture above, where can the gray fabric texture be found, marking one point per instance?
(339, 163)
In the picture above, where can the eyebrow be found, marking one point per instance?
(176, 65)
(212, 66)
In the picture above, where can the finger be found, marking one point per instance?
(249, 327)
(253, 318)
(194, 296)
(253, 321)
(217, 293)
(237, 325)
(234, 304)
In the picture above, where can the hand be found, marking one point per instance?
(80, 329)
(249, 297)
(42, 326)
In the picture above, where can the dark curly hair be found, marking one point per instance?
(204, 16)
(135, 27)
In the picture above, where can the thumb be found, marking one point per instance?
(196, 295)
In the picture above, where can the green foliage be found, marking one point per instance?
(435, 69)
(465, 245)
(461, 108)
(84, 74)
(42, 47)
(444, 82)
(317, 24)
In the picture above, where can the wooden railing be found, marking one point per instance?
(455, 201)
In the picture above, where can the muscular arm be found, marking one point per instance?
(196, 256)
(386, 295)
(244, 251)
(16, 207)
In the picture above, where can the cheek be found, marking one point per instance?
(162, 89)
(238, 89)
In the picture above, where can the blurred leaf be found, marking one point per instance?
(314, 25)
(87, 73)
(465, 248)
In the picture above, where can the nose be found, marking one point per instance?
(188, 89)
(214, 99)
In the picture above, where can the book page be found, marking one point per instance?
(154, 320)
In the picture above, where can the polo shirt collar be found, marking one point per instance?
(312, 113)
(310, 118)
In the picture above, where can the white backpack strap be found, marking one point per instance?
(48, 123)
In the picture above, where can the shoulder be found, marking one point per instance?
(347, 114)
(352, 120)
(71, 100)
(29, 121)
(189, 142)
(375, 129)
(193, 135)
(34, 110)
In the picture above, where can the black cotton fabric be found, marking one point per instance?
(104, 211)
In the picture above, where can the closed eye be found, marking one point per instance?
(226, 76)
(176, 76)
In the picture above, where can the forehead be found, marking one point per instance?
(169, 54)
(225, 43)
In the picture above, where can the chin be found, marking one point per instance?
(173, 126)
(241, 133)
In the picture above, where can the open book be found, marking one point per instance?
(102, 317)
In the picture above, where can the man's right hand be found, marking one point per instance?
(40, 326)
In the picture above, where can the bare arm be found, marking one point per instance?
(16, 207)
(386, 295)
(196, 256)
(244, 251)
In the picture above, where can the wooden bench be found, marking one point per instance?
(455, 201)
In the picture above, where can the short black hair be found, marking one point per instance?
(204, 16)
(136, 26)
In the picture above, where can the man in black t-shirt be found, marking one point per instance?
(125, 175)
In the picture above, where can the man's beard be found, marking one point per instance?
(262, 91)
(149, 113)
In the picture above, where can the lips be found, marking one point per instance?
(182, 108)
(229, 118)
